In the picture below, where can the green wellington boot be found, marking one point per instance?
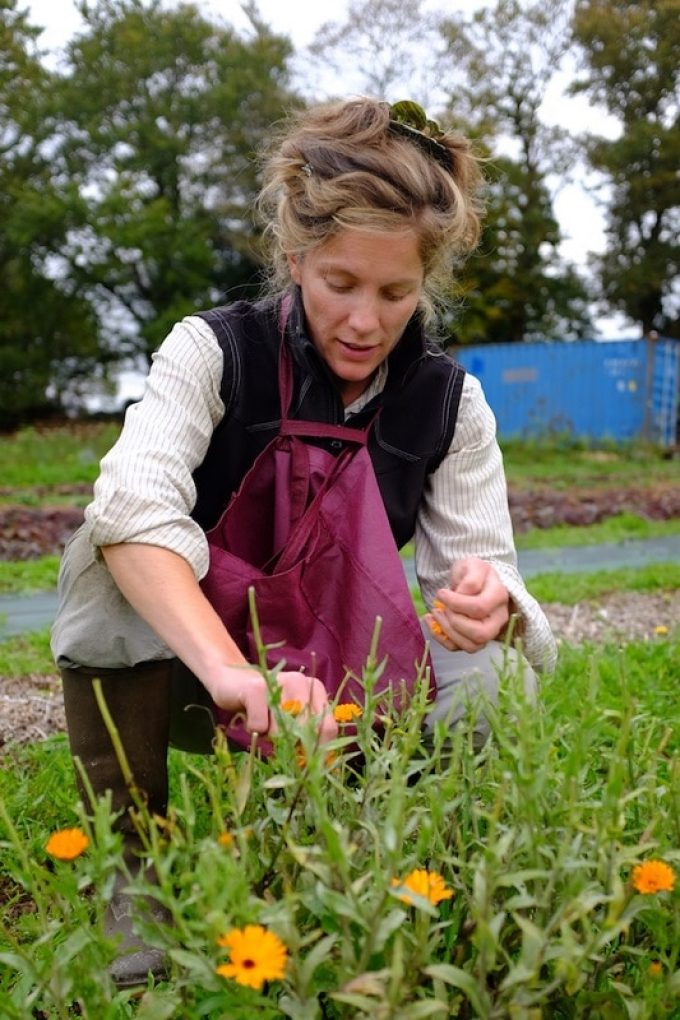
(139, 702)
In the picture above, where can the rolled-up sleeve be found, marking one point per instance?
(465, 513)
(145, 491)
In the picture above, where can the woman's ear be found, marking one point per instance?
(294, 267)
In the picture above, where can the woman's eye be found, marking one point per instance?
(340, 288)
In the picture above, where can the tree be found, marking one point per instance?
(630, 65)
(163, 114)
(516, 287)
(48, 338)
(390, 45)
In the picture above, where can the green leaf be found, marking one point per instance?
(458, 978)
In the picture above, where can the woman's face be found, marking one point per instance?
(359, 289)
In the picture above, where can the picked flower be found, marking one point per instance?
(347, 712)
(67, 844)
(292, 706)
(256, 956)
(652, 877)
(428, 884)
(661, 630)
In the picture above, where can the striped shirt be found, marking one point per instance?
(145, 492)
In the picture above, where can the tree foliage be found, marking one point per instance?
(48, 337)
(374, 45)
(516, 287)
(163, 112)
(630, 65)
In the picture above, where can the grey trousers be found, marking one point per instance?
(465, 680)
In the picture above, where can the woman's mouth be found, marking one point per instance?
(357, 352)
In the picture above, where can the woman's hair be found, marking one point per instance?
(347, 165)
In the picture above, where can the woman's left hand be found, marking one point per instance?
(473, 610)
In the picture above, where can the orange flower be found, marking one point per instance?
(347, 712)
(292, 706)
(655, 969)
(67, 844)
(653, 877)
(436, 628)
(428, 884)
(225, 839)
(257, 955)
(438, 604)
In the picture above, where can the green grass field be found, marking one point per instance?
(536, 840)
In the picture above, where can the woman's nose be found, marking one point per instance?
(364, 317)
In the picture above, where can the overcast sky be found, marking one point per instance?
(575, 207)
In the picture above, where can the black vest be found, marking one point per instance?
(418, 408)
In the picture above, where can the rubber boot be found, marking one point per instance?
(139, 702)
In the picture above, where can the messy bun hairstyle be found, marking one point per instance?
(343, 165)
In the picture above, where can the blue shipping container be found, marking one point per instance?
(622, 389)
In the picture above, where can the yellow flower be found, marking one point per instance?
(347, 712)
(661, 630)
(292, 706)
(257, 955)
(654, 969)
(653, 876)
(428, 884)
(67, 844)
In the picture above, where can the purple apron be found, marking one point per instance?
(308, 530)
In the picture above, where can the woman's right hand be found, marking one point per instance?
(243, 689)
(161, 587)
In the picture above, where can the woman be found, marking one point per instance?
(366, 214)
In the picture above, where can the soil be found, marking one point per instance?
(29, 532)
(31, 707)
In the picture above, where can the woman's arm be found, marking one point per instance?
(464, 518)
(161, 586)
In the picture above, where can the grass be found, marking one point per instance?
(566, 465)
(32, 458)
(624, 527)
(578, 587)
(23, 654)
(53, 456)
(536, 837)
(27, 576)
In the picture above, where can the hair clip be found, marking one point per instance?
(409, 120)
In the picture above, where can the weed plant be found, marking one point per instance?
(536, 837)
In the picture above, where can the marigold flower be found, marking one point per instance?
(654, 969)
(292, 706)
(428, 884)
(436, 628)
(346, 712)
(257, 955)
(438, 604)
(67, 844)
(653, 877)
(661, 630)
